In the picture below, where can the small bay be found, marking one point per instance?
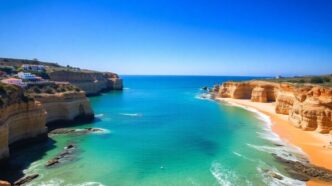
(160, 131)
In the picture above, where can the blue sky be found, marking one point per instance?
(172, 37)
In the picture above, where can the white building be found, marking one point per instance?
(14, 81)
(38, 68)
(28, 76)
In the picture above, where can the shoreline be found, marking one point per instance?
(310, 142)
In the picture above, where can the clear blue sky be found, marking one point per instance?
(210, 37)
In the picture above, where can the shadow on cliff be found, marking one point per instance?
(21, 157)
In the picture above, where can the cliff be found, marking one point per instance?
(308, 107)
(91, 82)
(20, 118)
(66, 107)
(25, 113)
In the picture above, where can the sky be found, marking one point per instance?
(172, 37)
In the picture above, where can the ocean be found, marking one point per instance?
(160, 131)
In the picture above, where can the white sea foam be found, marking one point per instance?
(243, 156)
(89, 184)
(100, 131)
(132, 114)
(271, 181)
(99, 115)
(223, 176)
(283, 147)
(51, 182)
(55, 182)
(34, 167)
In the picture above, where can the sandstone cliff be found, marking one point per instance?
(67, 106)
(91, 82)
(308, 107)
(25, 117)
(20, 118)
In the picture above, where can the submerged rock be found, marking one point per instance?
(304, 171)
(68, 150)
(205, 88)
(75, 131)
(26, 179)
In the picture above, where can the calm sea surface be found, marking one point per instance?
(159, 131)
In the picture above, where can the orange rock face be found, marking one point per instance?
(4, 183)
(309, 107)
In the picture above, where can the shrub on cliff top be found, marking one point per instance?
(316, 80)
(327, 79)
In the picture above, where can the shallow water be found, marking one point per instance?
(159, 131)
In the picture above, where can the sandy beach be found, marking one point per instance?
(313, 144)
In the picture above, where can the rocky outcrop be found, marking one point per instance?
(236, 90)
(257, 91)
(66, 107)
(93, 83)
(26, 179)
(304, 171)
(309, 107)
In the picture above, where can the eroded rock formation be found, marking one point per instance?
(309, 107)
(23, 117)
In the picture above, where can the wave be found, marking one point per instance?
(99, 115)
(53, 182)
(204, 96)
(243, 156)
(269, 179)
(90, 184)
(132, 114)
(223, 176)
(47, 183)
(281, 151)
(100, 131)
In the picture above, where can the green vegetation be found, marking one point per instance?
(51, 89)
(7, 69)
(19, 62)
(10, 94)
(316, 80)
(324, 80)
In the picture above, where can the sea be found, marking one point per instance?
(164, 131)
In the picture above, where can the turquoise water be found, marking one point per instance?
(159, 131)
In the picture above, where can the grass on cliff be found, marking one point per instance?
(324, 80)
(10, 94)
(51, 89)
